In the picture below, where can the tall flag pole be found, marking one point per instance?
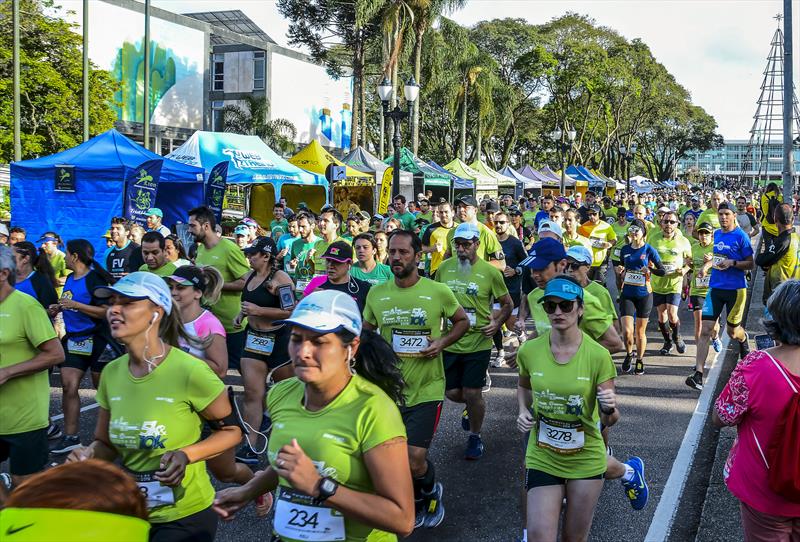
(146, 97)
(15, 84)
(85, 70)
(788, 105)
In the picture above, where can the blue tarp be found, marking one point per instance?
(101, 166)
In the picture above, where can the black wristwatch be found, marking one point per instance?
(327, 488)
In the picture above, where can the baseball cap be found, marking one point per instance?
(339, 251)
(562, 289)
(155, 211)
(377, 216)
(189, 275)
(364, 216)
(549, 225)
(637, 223)
(580, 254)
(264, 245)
(724, 206)
(492, 207)
(107, 234)
(48, 238)
(705, 226)
(594, 208)
(241, 229)
(249, 222)
(467, 200)
(467, 230)
(664, 209)
(543, 253)
(326, 311)
(694, 198)
(139, 285)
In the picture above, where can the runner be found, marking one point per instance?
(769, 201)
(35, 276)
(489, 248)
(382, 241)
(241, 234)
(347, 381)
(476, 285)
(338, 258)
(29, 347)
(733, 255)
(602, 237)
(253, 230)
(409, 312)
(155, 255)
(745, 219)
(702, 252)
(303, 270)
(579, 261)
(353, 228)
(49, 244)
(366, 268)
(405, 218)
(695, 209)
(278, 218)
(124, 256)
(512, 276)
(434, 240)
(266, 298)
(544, 212)
(780, 258)
(154, 218)
(571, 237)
(176, 253)
(328, 224)
(710, 215)
(285, 243)
(15, 235)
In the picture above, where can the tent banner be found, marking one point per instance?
(65, 178)
(141, 188)
(215, 188)
(386, 191)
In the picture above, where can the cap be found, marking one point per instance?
(249, 222)
(467, 230)
(562, 289)
(580, 254)
(694, 198)
(637, 223)
(422, 222)
(241, 229)
(543, 253)
(189, 275)
(515, 212)
(492, 207)
(48, 238)
(378, 216)
(326, 311)
(467, 200)
(549, 225)
(139, 285)
(705, 226)
(664, 209)
(363, 215)
(264, 245)
(673, 206)
(724, 206)
(302, 205)
(155, 211)
(3, 229)
(594, 208)
(339, 251)
(107, 234)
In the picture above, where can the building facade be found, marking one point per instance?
(731, 160)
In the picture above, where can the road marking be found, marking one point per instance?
(83, 409)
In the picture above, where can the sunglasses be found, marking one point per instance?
(463, 244)
(566, 306)
(500, 222)
(669, 221)
(574, 266)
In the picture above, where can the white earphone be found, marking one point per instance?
(349, 353)
(155, 317)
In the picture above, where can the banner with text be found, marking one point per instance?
(215, 188)
(141, 188)
(386, 191)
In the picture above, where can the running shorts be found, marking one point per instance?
(421, 421)
(538, 478)
(636, 306)
(279, 339)
(697, 302)
(74, 359)
(732, 300)
(465, 370)
(27, 452)
(667, 299)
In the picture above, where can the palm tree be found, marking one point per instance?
(252, 118)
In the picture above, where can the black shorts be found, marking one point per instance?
(279, 339)
(639, 307)
(198, 527)
(27, 452)
(538, 478)
(465, 370)
(82, 362)
(697, 302)
(733, 300)
(667, 299)
(421, 421)
(234, 341)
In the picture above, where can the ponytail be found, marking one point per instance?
(40, 262)
(214, 283)
(84, 250)
(378, 363)
(107, 277)
(171, 331)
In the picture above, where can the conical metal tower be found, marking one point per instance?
(762, 161)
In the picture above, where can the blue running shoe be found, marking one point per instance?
(465, 420)
(434, 509)
(474, 448)
(717, 344)
(636, 489)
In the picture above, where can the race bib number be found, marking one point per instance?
(260, 343)
(598, 243)
(301, 286)
(703, 282)
(298, 518)
(635, 278)
(617, 253)
(81, 348)
(155, 493)
(670, 268)
(559, 436)
(717, 261)
(409, 342)
(472, 316)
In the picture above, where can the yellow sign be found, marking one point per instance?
(386, 191)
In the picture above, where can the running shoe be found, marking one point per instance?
(744, 346)
(666, 349)
(716, 344)
(434, 511)
(695, 381)
(53, 431)
(465, 420)
(488, 385)
(639, 367)
(474, 448)
(6, 481)
(419, 518)
(626, 363)
(245, 455)
(636, 489)
(609, 451)
(66, 445)
(498, 360)
(680, 345)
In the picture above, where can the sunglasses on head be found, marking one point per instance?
(565, 306)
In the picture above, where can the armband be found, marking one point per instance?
(232, 419)
(286, 296)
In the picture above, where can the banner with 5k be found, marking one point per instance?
(215, 188)
(141, 188)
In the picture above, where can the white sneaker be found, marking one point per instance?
(499, 359)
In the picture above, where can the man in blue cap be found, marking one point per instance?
(154, 218)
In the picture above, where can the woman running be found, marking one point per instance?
(347, 384)
(153, 402)
(35, 275)
(176, 254)
(366, 267)
(639, 261)
(268, 296)
(563, 405)
(382, 242)
(702, 254)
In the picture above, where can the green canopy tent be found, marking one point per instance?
(484, 184)
(425, 177)
(505, 185)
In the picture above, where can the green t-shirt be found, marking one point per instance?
(709, 215)
(335, 438)
(425, 216)
(320, 246)
(227, 258)
(304, 270)
(597, 233)
(164, 271)
(379, 274)
(489, 244)
(477, 293)
(621, 231)
(282, 223)
(699, 287)
(405, 317)
(24, 400)
(565, 397)
(575, 241)
(59, 262)
(407, 220)
(157, 413)
(529, 217)
(596, 320)
(674, 253)
(603, 296)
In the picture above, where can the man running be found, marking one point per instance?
(514, 252)
(408, 312)
(300, 268)
(401, 212)
(745, 219)
(124, 256)
(155, 257)
(780, 257)
(328, 223)
(602, 237)
(434, 240)
(489, 248)
(155, 216)
(338, 258)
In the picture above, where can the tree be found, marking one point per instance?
(51, 85)
(278, 134)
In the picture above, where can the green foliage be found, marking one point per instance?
(50, 84)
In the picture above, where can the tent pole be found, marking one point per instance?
(146, 96)
(15, 62)
(86, 70)
(788, 109)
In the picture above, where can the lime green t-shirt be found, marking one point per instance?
(529, 217)
(489, 244)
(440, 236)
(699, 286)
(59, 262)
(425, 216)
(621, 231)
(565, 398)
(575, 241)
(379, 274)
(477, 293)
(25, 400)
(597, 233)
(674, 253)
(603, 296)
(405, 318)
(320, 246)
(164, 271)
(227, 258)
(157, 413)
(709, 215)
(336, 439)
(596, 320)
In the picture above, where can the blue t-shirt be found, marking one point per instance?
(634, 259)
(734, 245)
(77, 324)
(541, 215)
(26, 286)
(285, 242)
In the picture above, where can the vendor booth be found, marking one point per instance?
(425, 177)
(536, 176)
(581, 174)
(362, 160)
(505, 185)
(571, 184)
(461, 186)
(525, 185)
(76, 192)
(252, 163)
(484, 184)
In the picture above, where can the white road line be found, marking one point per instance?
(668, 504)
(83, 409)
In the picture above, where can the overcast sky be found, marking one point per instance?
(717, 49)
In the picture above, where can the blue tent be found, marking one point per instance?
(101, 166)
(583, 174)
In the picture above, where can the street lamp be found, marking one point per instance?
(628, 154)
(411, 92)
(563, 148)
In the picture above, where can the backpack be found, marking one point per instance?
(784, 448)
(772, 204)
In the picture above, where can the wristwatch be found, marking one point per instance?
(327, 488)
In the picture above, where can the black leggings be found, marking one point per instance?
(199, 527)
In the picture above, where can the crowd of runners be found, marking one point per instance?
(349, 333)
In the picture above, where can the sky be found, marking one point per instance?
(716, 49)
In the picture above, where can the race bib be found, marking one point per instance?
(301, 285)
(409, 342)
(704, 282)
(635, 278)
(81, 348)
(471, 316)
(617, 252)
(717, 261)
(155, 493)
(297, 517)
(559, 436)
(670, 268)
(260, 343)
(598, 243)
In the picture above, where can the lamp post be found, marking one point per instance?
(411, 92)
(563, 148)
(628, 154)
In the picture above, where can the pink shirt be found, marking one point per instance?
(754, 399)
(201, 327)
